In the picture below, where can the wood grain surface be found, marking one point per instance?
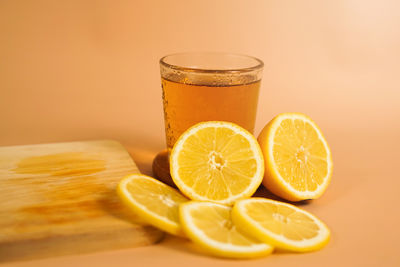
(60, 199)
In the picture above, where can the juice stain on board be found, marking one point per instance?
(61, 164)
(68, 189)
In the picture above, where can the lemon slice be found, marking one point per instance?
(218, 162)
(210, 226)
(298, 161)
(280, 224)
(152, 200)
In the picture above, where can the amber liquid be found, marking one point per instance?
(186, 105)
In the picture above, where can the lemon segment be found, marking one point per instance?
(218, 162)
(210, 226)
(298, 161)
(152, 200)
(280, 224)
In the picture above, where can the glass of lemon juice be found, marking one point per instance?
(207, 86)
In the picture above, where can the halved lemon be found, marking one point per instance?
(217, 161)
(298, 161)
(152, 200)
(210, 226)
(280, 224)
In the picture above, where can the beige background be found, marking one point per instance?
(79, 70)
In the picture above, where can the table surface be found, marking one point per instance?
(79, 70)
(360, 207)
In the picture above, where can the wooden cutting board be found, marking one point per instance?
(58, 199)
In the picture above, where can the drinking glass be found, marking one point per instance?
(200, 87)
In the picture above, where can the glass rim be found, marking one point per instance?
(259, 64)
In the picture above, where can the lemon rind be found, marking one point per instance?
(214, 247)
(253, 228)
(272, 177)
(256, 179)
(147, 215)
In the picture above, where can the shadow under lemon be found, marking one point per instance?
(161, 168)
